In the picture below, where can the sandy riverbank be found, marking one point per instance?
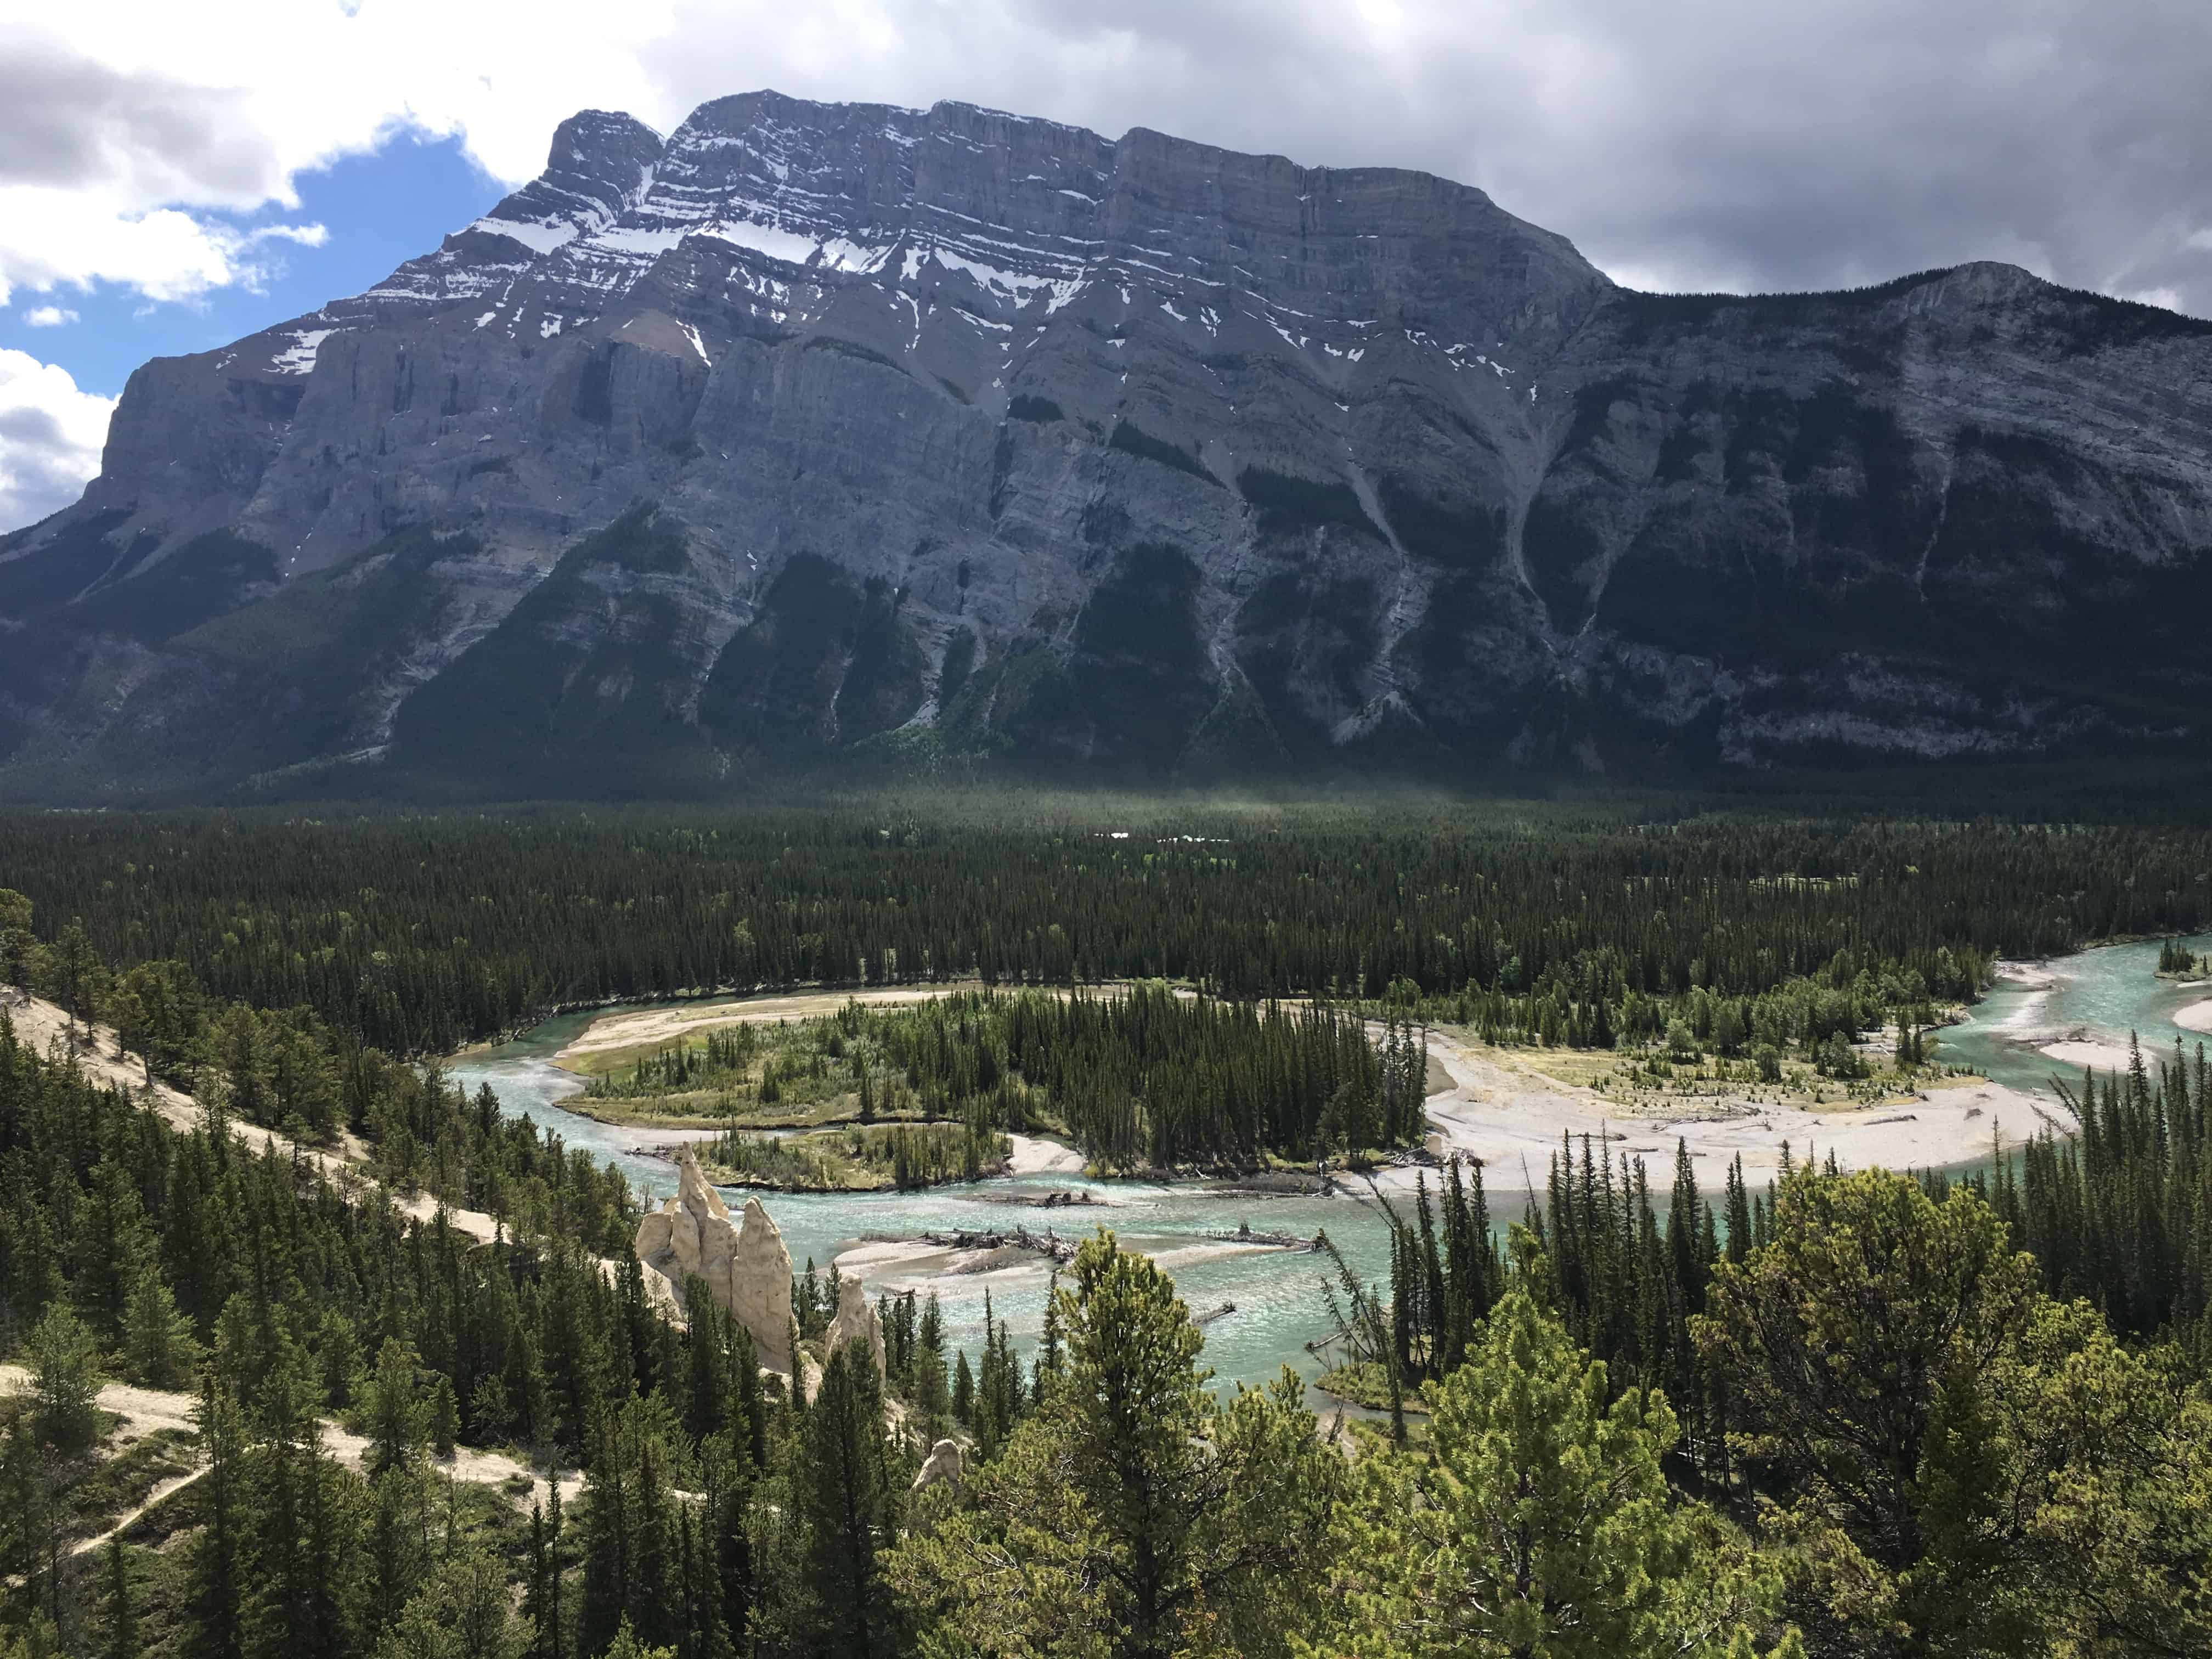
(2079, 1051)
(1513, 1121)
(617, 1031)
(649, 1026)
(2028, 975)
(1034, 1155)
(2197, 1016)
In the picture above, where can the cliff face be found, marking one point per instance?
(825, 427)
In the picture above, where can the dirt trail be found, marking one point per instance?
(144, 1409)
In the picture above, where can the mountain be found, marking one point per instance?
(819, 430)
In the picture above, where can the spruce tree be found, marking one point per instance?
(64, 1366)
(845, 1501)
(159, 1350)
(1540, 1523)
(398, 1421)
(215, 1562)
(119, 1625)
(964, 1390)
(1131, 1513)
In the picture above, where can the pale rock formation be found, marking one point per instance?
(760, 1285)
(745, 1267)
(943, 1463)
(856, 1320)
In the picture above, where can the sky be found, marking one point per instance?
(173, 177)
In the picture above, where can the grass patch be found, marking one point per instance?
(858, 1160)
(1367, 1384)
(115, 1486)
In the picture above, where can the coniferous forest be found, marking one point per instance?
(314, 1353)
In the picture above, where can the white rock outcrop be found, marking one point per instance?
(744, 1264)
(760, 1287)
(856, 1320)
(943, 1463)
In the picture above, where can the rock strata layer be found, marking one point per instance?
(814, 429)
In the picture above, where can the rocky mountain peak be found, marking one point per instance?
(825, 429)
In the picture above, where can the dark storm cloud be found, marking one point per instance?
(33, 428)
(1707, 144)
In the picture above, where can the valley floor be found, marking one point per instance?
(1507, 1107)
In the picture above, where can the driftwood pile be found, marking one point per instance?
(1244, 1235)
(1046, 1242)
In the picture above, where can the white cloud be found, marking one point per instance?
(51, 435)
(48, 316)
(1711, 143)
(133, 126)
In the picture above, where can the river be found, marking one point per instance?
(2099, 995)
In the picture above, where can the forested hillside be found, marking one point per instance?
(2043, 1487)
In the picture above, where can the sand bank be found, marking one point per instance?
(2029, 975)
(2105, 1056)
(1034, 1155)
(2197, 1016)
(1513, 1121)
(902, 1264)
(652, 1025)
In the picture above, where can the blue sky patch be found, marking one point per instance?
(379, 210)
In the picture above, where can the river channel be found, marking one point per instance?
(2098, 996)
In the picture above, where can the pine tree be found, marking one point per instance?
(30, 1540)
(64, 1365)
(444, 1417)
(461, 1612)
(1682, 1222)
(1131, 1513)
(215, 1565)
(397, 1551)
(398, 1422)
(1741, 1229)
(844, 1499)
(120, 1633)
(964, 1390)
(1540, 1524)
(1048, 1359)
(158, 1347)
(541, 1603)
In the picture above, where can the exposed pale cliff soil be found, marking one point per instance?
(45, 1027)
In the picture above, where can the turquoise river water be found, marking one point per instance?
(2098, 996)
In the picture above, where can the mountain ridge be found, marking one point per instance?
(814, 428)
